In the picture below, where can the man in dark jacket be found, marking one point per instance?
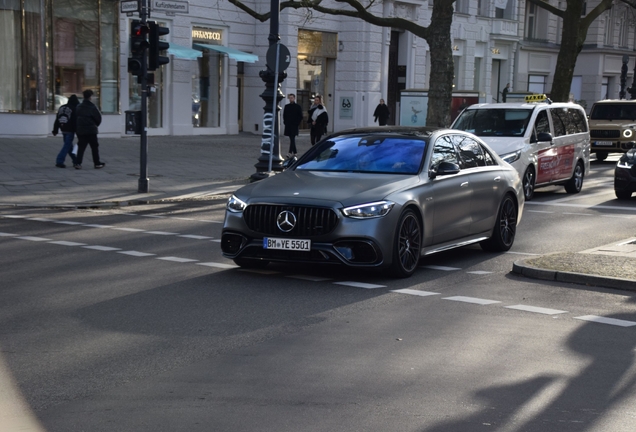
(381, 113)
(66, 121)
(88, 119)
(318, 120)
(292, 116)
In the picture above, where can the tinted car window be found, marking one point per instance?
(494, 122)
(444, 151)
(559, 121)
(613, 111)
(470, 152)
(542, 124)
(578, 118)
(377, 154)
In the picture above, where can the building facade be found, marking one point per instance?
(54, 48)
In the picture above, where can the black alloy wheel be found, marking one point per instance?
(622, 194)
(408, 245)
(503, 234)
(575, 184)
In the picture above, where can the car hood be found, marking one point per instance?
(345, 188)
(609, 124)
(504, 145)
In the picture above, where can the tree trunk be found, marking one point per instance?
(442, 69)
(572, 39)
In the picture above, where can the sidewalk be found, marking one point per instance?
(195, 167)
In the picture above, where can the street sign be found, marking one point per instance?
(170, 7)
(129, 6)
(284, 57)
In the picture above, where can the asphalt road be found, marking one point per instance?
(133, 321)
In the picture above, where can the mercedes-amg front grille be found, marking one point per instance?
(309, 221)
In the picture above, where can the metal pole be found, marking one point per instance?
(274, 106)
(143, 186)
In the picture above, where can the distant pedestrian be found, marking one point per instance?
(88, 120)
(292, 116)
(381, 113)
(318, 119)
(504, 92)
(66, 121)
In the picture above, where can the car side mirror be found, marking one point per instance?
(542, 137)
(444, 168)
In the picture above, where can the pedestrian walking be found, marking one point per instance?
(88, 120)
(318, 119)
(66, 121)
(381, 113)
(504, 92)
(292, 116)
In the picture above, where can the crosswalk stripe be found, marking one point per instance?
(604, 320)
(414, 292)
(473, 300)
(360, 285)
(536, 309)
(176, 259)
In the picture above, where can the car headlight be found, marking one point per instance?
(627, 164)
(371, 210)
(511, 157)
(627, 133)
(235, 205)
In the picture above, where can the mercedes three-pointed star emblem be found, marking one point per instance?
(286, 221)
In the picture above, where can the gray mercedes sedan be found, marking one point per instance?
(377, 197)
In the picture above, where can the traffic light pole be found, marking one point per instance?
(143, 185)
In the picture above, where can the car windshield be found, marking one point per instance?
(494, 122)
(369, 154)
(614, 112)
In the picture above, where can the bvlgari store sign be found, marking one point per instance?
(205, 35)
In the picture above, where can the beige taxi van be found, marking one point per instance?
(547, 143)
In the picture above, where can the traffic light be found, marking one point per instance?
(138, 44)
(155, 59)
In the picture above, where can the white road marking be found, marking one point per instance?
(161, 233)
(196, 237)
(136, 253)
(2, 234)
(98, 226)
(14, 216)
(540, 211)
(309, 278)
(218, 265)
(216, 240)
(584, 206)
(68, 222)
(154, 216)
(209, 221)
(177, 259)
(67, 243)
(129, 229)
(40, 219)
(471, 300)
(618, 216)
(443, 268)
(479, 272)
(578, 214)
(415, 292)
(522, 253)
(604, 320)
(360, 285)
(36, 239)
(536, 309)
(102, 248)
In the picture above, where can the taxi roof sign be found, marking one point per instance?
(536, 98)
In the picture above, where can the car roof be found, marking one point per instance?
(615, 101)
(420, 131)
(523, 105)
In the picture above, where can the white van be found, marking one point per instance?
(548, 143)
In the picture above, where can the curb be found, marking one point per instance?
(520, 267)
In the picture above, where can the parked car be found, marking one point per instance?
(548, 143)
(625, 175)
(612, 127)
(377, 197)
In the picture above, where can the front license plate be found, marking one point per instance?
(286, 244)
(604, 143)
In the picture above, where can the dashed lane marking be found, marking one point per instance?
(604, 320)
(14, 216)
(522, 253)
(129, 229)
(177, 259)
(443, 268)
(67, 243)
(540, 211)
(218, 265)
(583, 206)
(536, 309)
(196, 237)
(102, 248)
(473, 300)
(161, 233)
(360, 285)
(68, 223)
(479, 272)
(415, 292)
(35, 239)
(578, 214)
(40, 219)
(98, 226)
(136, 253)
(3, 234)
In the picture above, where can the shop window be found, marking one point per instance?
(10, 47)
(206, 90)
(536, 84)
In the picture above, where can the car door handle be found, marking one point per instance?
(498, 178)
(465, 184)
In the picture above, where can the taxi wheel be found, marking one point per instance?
(601, 156)
(528, 184)
(575, 184)
(622, 195)
(407, 247)
(250, 263)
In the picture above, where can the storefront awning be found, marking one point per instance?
(184, 53)
(231, 52)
